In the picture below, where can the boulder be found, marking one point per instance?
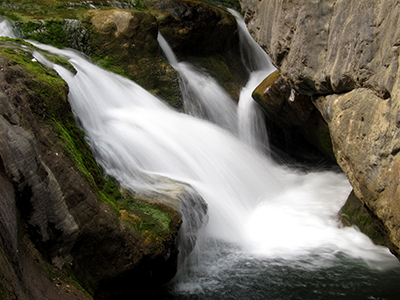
(293, 111)
(325, 47)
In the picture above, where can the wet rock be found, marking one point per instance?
(293, 111)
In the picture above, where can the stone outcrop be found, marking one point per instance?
(194, 27)
(290, 110)
(59, 217)
(344, 54)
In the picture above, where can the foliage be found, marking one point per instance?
(51, 32)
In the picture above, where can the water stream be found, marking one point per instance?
(273, 231)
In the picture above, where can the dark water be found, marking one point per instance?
(343, 278)
(231, 273)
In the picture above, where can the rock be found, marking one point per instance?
(194, 27)
(329, 46)
(293, 111)
(344, 54)
(365, 141)
(354, 213)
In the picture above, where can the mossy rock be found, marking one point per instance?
(353, 213)
(152, 231)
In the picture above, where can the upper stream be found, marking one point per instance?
(273, 231)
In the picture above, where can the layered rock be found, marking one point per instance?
(344, 54)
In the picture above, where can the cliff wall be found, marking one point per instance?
(345, 56)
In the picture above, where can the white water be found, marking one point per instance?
(252, 128)
(257, 210)
(202, 96)
(6, 29)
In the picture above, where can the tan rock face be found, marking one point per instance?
(329, 46)
(105, 21)
(345, 54)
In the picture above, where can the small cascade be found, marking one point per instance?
(254, 58)
(7, 29)
(252, 127)
(202, 95)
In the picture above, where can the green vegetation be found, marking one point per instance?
(51, 32)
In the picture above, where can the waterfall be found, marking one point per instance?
(7, 29)
(135, 136)
(202, 95)
(261, 216)
(252, 127)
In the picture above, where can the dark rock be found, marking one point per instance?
(194, 27)
(293, 111)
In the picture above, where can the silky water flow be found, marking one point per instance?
(272, 231)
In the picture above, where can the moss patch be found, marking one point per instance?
(354, 213)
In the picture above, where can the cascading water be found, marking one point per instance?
(252, 126)
(202, 96)
(272, 232)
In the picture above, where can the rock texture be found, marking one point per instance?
(345, 54)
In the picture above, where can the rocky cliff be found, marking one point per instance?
(345, 56)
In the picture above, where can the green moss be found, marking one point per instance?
(148, 218)
(71, 278)
(51, 32)
(71, 140)
(62, 62)
(354, 213)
